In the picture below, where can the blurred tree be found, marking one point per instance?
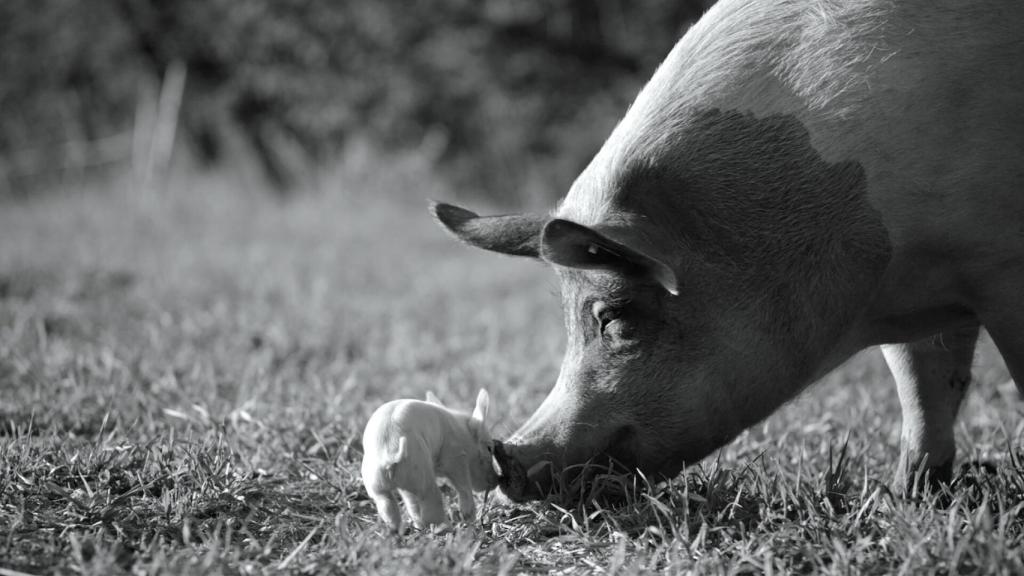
(61, 81)
(505, 95)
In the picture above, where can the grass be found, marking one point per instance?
(184, 380)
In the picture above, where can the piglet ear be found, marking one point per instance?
(433, 399)
(482, 403)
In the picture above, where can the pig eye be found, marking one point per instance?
(606, 316)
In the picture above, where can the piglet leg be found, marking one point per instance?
(387, 508)
(467, 506)
(426, 509)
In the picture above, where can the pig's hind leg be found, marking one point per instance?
(425, 507)
(416, 481)
(931, 378)
(1003, 316)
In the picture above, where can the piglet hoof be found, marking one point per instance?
(512, 474)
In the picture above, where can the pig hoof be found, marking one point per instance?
(921, 480)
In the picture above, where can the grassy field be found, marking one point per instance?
(184, 381)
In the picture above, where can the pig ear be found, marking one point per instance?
(573, 245)
(513, 234)
(433, 399)
(483, 402)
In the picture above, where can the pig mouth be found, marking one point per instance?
(609, 475)
(512, 475)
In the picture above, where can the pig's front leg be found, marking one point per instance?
(931, 378)
(387, 509)
(467, 505)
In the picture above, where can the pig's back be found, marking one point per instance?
(424, 426)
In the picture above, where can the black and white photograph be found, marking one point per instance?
(533, 287)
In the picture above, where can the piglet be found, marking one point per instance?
(408, 444)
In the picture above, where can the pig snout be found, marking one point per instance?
(534, 470)
(511, 473)
(560, 442)
(526, 472)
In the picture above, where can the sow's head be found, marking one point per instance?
(676, 341)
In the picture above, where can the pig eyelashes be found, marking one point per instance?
(604, 310)
(605, 313)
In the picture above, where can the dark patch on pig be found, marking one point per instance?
(776, 226)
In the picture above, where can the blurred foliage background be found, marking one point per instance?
(508, 99)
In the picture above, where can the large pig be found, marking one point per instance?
(798, 181)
